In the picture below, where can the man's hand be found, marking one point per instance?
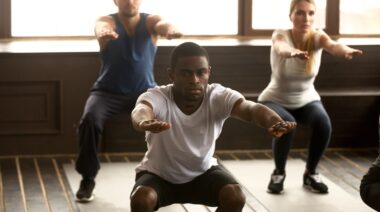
(172, 34)
(107, 34)
(153, 125)
(280, 128)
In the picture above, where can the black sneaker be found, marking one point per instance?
(84, 193)
(313, 182)
(276, 184)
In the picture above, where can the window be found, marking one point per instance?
(55, 18)
(197, 17)
(77, 17)
(262, 16)
(360, 17)
(278, 16)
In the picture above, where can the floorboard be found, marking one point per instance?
(37, 182)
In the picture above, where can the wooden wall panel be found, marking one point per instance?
(350, 91)
(66, 79)
(29, 108)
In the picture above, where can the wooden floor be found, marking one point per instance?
(38, 183)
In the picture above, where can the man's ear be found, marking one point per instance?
(171, 74)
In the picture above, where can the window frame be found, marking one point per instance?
(244, 22)
(332, 23)
(5, 19)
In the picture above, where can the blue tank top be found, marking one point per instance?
(127, 62)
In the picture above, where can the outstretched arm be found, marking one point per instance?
(282, 48)
(261, 115)
(105, 30)
(143, 119)
(338, 49)
(162, 28)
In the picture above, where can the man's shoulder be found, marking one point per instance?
(160, 89)
(217, 87)
(214, 86)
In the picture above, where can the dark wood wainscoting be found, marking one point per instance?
(42, 96)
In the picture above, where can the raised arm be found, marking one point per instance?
(261, 115)
(283, 48)
(338, 49)
(162, 28)
(105, 30)
(143, 119)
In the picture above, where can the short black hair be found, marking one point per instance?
(187, 49)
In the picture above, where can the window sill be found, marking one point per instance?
(91, 45)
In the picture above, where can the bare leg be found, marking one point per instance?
(231, 199)
(143, 199)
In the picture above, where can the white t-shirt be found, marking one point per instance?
(290, 85)
(185, 150)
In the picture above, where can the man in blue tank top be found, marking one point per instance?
(127, 41)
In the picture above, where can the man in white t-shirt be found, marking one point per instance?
(370, 183)
(182, 121)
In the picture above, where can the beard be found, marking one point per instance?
(130, 13)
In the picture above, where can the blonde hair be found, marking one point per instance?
(310, 52)
(310, 39)
(295, 2)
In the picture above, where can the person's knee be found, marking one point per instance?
(90, 119)
(321, 119)
(370, 195)
(363, 191)
(231, 197)
(288, 117)
(143, 198)
(322, 126)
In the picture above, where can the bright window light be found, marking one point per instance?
(266, 16)
(57, 17)
(36, 18)
(359, 18)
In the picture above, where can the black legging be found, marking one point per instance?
(370, 188)
(313, 115)
(99, 107)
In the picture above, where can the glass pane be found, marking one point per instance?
(57, 17)
(267, 16)
(77, 17)
(359, 18)
(198, 17)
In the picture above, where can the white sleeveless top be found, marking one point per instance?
(290, 85)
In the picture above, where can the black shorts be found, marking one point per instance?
(203, 189)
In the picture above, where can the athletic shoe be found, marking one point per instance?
(84, 193)
(276, 184)
(313, 182)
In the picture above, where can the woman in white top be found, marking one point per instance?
(295, 59)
